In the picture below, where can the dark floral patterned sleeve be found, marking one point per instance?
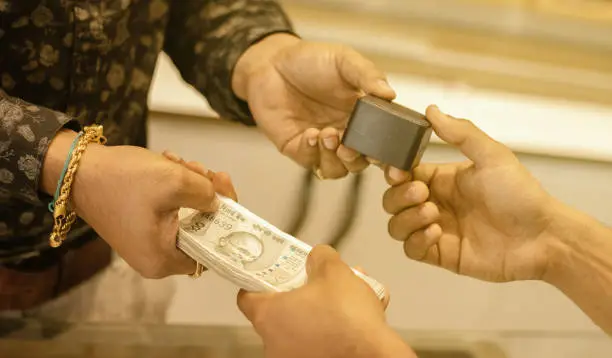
(206, 38)
(25, 133)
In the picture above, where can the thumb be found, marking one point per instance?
(224, 186)
(324, 262)
(196, 192)
(363, 74)
(251, 304)
(469, 139)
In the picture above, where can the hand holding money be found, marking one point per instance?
(247, 250)
(333, 315)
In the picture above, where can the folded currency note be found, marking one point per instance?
(247, 250)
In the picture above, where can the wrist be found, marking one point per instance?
(55, 159)
(256, 59)
(92, 171)
(572, 237)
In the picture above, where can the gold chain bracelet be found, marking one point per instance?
(64, 215)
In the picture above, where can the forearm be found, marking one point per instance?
(205, 40)
(581, 263)
(26, 132)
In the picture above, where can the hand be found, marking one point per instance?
(486, 217)
(301, 95)
(335, 315)
(131, 197)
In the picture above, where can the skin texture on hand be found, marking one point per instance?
(486, 217)
(335, 315)
(131, 197)
(581, 263)
(301, 95)
(490, 219)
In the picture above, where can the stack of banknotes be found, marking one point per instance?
(247, 250)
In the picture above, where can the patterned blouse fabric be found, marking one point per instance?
(78, 62)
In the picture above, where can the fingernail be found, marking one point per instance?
(312, 142)
(397, 175)
(330, 143)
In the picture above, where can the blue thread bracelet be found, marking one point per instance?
(64, 170)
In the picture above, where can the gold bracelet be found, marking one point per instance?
(64, 215)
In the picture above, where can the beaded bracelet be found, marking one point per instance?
(63, 215)
(64, 170)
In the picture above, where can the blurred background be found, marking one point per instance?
(535, 74)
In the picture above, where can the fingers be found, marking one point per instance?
(421, 245)
(473, 142)
(424, 172)
(407, 222)
(395, 176)
(223, 185)
(323, 261)
(196, 191)
(252, 304)
(200, 169)
(330, 165)
(308, 148)
(352, 160)
(321, 150)
(403, 196)
(221, 182)
(363, 74)
(173, 157)
(387, 298)
(194, 166)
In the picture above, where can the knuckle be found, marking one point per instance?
(429, 211)
(411, 193)
(464, 121)
(419, 191)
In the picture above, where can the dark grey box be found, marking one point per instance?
(388, 132)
